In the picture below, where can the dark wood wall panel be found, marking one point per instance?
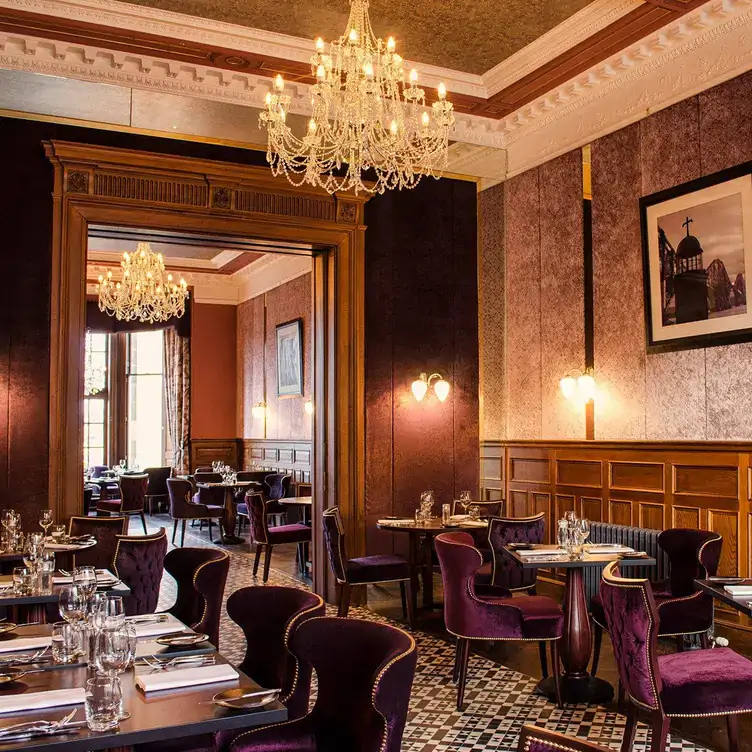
(421, 315)
(702, 485)
(277, 455)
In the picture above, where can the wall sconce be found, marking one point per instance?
(579, 386)
(309, 407)
(259, 410)
(421, 385)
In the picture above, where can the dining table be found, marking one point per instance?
(420, 539)
(576, 645)
(230, 515)
(154, 716)
(715, 587)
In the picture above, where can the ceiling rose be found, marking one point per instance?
(366, 118)
(144, 292)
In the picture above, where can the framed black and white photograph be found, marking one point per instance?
(290, 359)
(697, 251)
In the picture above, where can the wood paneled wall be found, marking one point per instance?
(291, 457)
(705, 485)
(205, 451)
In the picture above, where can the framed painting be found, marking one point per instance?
(697, 249)
(290, 359)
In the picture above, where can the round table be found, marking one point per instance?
(230, 516)
(577, 685)
(421, 561)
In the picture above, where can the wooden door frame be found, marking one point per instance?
(99, 185)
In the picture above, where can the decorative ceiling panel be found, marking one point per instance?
(471, 36)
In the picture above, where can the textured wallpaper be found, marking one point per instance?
(702, 394)
(257, 365)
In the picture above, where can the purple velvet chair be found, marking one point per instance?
(682, 608)
(131, 501)
(201, 575)
(365, 672)
(183, 508)
(269, 617)
(536, 739)
(139, 563)
(106, 530)
(468, 616)
(503, 570)
(267, 537)
(365, 570)
(696, 683)
(156, 490)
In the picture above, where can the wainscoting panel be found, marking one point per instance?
(292, 457)
(700, 485)
(205, 451)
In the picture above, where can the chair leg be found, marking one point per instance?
(410, 604)
(211, 537)
(174, 530)
(457, 659)
(680, 643)
(621, 696)
(464, 659)
(543, 661)
(732, 723)
(629, 730)
(403, 598)
(267, 562)
(556, 669)
(257, 560)
(597, 642)
(143, 521)
(659, 725)
(345, 591)
(182, 537)
(705, 641)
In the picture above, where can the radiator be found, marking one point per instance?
(639, 538)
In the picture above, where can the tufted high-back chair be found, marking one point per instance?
(277, 485)
(365, 672)
(505, 570)
(693, 555)
(269, 617)
(201, 575)
(139, 563)
(334, 538)
(106, 530)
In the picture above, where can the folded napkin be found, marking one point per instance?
(473, 523)
(541, 551)
(186, 677)
(459, 517)
(737, 591)
(51, 698)
(19, 644)
(398, 521)
(153, 629)
(103, 575)
(597, 548)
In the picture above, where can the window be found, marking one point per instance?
(96, 398)
(145, 385)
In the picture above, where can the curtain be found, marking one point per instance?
(177, 370)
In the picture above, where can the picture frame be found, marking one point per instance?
(697, 252)
(290, 359)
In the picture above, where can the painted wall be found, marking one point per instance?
(257, 362)
(213, 371)
(421, 314)
(531, 230)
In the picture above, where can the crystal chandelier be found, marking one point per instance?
(365, 117)
(143, 293)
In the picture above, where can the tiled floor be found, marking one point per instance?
(499, 697)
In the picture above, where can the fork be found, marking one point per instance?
(25, 658)
(156, 663)
(30, 726)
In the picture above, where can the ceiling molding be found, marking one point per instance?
(703, 49)
(268, 272)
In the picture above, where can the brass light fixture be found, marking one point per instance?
(424, 382)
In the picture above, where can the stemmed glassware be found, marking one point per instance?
(46, 520)
(72, 604)
(572, 532)
(466, 499)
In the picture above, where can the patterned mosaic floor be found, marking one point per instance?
(499, 701)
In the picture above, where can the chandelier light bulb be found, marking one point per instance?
(425, 119)
(413, 76)
(390, 44)
(368, 69)
(353, 35)
(268, 98)
(279, 82)
(312, 126)
(282, 115)
(393, 127)
(319, 45)
(441, 387)
(442, 91)
(568, 387)
(320, 73)
(419, 388)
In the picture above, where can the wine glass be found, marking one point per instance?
(466, 499)
(72, 604)
(85, 578)
(123, 465)
(112, 651)
(46, 519)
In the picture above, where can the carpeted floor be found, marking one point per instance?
(499, 700)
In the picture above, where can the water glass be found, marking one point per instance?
(67, 642)
(23, 580)
(58, 533)
(85, 578)
(474, 512)
(446, 514)
(562, 534)
(103, 698)
(46, 572)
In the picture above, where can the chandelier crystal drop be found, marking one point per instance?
(365, 117)
(145, 292)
